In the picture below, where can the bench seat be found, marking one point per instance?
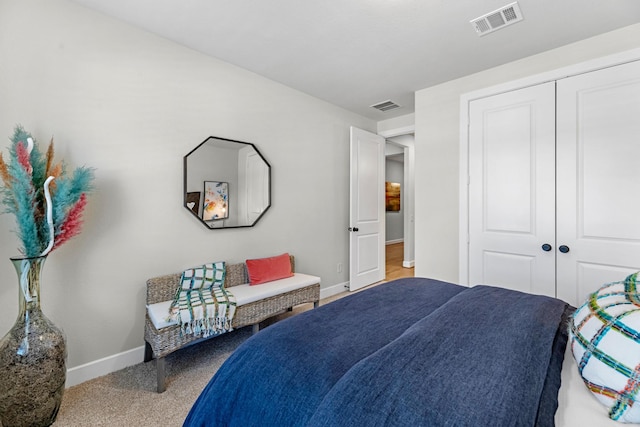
(253, 305)
(244, 294)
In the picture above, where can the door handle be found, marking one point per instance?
(546, 247)
(564, 249)
(355, 229)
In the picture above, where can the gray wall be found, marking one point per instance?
(132, 105)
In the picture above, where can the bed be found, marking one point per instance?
(412, 352)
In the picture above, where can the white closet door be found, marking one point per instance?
(598, 179)
(512, 190)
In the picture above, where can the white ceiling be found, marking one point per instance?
(355, 53)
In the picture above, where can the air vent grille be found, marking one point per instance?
(485, 24)
(510, 14)
(385, 106)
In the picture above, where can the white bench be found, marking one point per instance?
(253, 305)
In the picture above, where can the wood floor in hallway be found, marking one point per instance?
(394, 268)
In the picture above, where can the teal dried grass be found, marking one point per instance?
(23, 196)
(68, 192)
(23, 193)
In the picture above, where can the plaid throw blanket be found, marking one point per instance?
(202, 305)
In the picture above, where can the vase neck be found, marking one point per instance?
(29, 271)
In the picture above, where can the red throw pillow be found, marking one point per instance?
(264, 270)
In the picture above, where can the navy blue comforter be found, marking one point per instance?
(414, 352)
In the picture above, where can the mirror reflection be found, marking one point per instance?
(227, 183)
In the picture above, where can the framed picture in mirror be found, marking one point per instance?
(216, 201)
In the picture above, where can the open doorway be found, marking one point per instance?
(394, 257)
(399, 216)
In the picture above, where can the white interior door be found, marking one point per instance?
(366, 212)
(598, 180)
(512, 190)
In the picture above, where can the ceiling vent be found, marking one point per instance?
(505, 16)
(385, 106)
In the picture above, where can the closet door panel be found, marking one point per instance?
(598, 179)
(511, 190)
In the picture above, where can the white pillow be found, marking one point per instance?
(605, 341)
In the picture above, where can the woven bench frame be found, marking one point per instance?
(160, 343)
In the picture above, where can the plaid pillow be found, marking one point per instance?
(605, 342)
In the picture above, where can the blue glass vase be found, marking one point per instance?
(32, 357)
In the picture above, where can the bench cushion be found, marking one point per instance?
(244, 294)
(159, 312)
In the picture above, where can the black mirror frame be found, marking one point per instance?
(184, 163)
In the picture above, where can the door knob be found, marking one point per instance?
(353, 228)
(564, 249)
(546, 247)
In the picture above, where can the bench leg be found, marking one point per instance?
(316, 304)
(255, 328)
(160, 374)
(148, 352)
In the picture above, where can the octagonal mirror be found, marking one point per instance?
(227, 183)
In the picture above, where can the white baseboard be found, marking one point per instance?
(408, 264)
(334, 290)
(104, 366)
(393, 242)
(109, 364)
